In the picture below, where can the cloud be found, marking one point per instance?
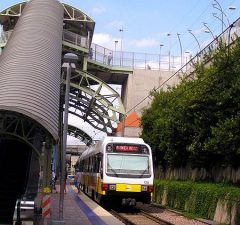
(98, 10)
(115, 24)
(102, 39)
(106, 40)
(146, 42)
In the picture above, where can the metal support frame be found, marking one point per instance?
(80, 134)
(22, 127)
(94, 101)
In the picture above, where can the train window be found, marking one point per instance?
(127, 164)
(85, 165)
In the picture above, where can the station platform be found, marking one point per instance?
(78, 209)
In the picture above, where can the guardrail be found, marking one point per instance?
(136, 60)
(124, 59)
(75, 39)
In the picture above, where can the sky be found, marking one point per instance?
(145, 25)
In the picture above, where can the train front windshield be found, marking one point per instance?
(126, 164)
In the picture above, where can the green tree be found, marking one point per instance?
(197, 121)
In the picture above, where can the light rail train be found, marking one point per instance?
(117, 170)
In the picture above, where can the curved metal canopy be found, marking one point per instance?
(94, 101)
(90, 98)
(79, 134)
(16, 125)
(74, 19)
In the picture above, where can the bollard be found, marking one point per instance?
(46, 203)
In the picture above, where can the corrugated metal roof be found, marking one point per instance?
(30, 64)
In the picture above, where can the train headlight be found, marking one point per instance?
(144, 187)
(109, 148)
(148, 188)
(144, 150)
(112, 187)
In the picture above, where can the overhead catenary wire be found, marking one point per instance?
(199, 21)
(173, 29)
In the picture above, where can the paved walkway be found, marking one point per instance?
(78, 209)
(71, 212)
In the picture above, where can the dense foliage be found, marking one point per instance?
(197, 122)
(199, 199)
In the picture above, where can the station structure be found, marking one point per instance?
(36, 36)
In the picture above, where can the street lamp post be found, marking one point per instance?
(190, 31)
(223, 24)
(169, 52)
(160, 53)
(121, 46)
(115, 51)
(217, 6)
(220, 9)
(161, 45)
(180, 47)
(208, 30)
(115, 45)
(69, 60)
(232, 7)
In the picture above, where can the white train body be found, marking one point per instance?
(118, 169)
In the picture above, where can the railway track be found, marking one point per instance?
(139, 217)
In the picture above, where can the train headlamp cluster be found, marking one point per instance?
(144, 188)
(144, 150)
(147, 188)
(112, 187)
(109, 187)
(109, 148)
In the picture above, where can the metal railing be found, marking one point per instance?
(122, 59)
(4, 36)
(75, 39)
(135, 60)
(145, 61)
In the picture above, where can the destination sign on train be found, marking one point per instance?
(127, 148)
